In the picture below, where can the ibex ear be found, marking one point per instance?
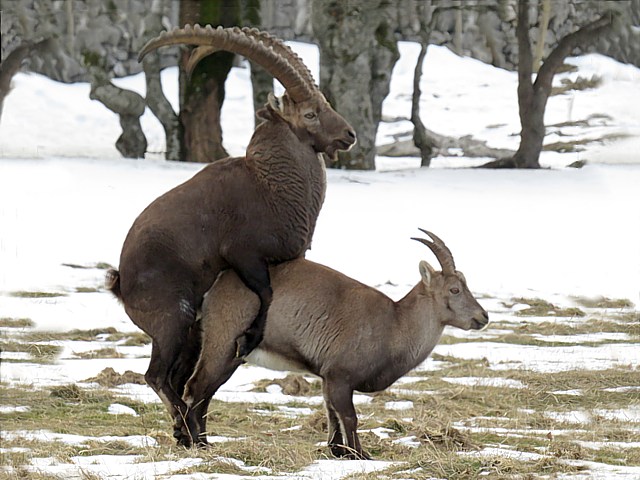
(274, 102)
(426, 272)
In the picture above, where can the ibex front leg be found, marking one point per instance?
(339, 398)
(254, 273)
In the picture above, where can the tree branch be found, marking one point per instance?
(567, 45)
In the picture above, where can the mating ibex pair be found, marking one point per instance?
(322, 322)
(241, 213)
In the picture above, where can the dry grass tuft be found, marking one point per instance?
(26, 294)
(101, 353)
(541, 308)
(604, 302)
(16, 322)
(110, 378)
(580, 83)
(68, 392)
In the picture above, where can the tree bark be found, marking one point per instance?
(203, 94)
(358, 50)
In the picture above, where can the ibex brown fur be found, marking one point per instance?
(239, 213)
(322, 322)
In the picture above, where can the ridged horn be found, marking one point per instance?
(269, 41)
(237, 41)
(440, 250)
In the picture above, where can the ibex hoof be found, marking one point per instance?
(182, 439)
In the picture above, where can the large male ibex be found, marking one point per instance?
(325, 323)
(238, 213)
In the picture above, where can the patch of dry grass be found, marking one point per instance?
(100, 353)
(16, 322)
(541, 308)
(580, 83)
(28, 294)
(38, 352)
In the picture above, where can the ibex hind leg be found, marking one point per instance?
(254, 273)
(168, 342)
(181, 372)
(212, 371)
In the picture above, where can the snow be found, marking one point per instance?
(544, 359)
(402, 405)
(119, 409)
(66, 198)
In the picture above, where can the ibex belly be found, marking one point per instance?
(274, 361)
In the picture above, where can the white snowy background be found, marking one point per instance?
(66, 197)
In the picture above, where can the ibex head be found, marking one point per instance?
(302, 106)
(448, 288)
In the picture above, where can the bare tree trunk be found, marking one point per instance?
(129, 106)
(155, 97)
(358, 50)
(533, 96)
(421, 137)
(203, 94)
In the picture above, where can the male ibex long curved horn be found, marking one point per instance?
(239, 41)
(269, 41)
(439, 249)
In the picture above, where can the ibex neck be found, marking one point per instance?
(275, 151)
(419, 326)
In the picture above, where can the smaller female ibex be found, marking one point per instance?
(327, 324)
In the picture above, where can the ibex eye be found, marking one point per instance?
(310, 115)
(454, 290)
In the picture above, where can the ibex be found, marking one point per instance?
(238, 213)
(322, 322)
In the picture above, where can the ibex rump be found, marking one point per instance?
(325, 323)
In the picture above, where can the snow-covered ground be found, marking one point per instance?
(66, 198)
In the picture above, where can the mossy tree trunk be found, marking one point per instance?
(358, 50)
(202, 95)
